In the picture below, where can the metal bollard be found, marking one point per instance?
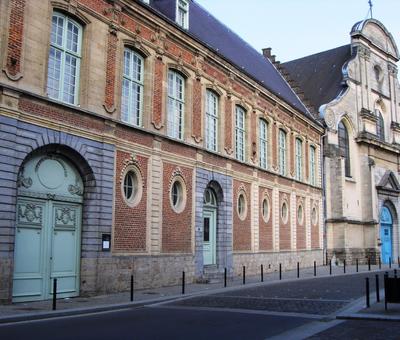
(330, 267)
(280, 271)
(344, 266)
(395, 273)
(380, 263)
(315, 268)
(131, 287)
(225, 277)
(244, 275)
(55, 294)
(398, 261)
(377, 287)
(298, 269)
(183, 282)
(369, 264)
(390, 262)
(367, 291)
(262, 273)
(357, 265)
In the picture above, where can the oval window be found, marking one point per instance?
(241, 206)
(300, 214)
(284, 212)
(265, 209)
(131, 186)
(178, 196)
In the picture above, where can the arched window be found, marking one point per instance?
(240, 132)
(132, 88)
(263, 143)
(282, 152)
(380, 126)
(299, 159)
(344, 147)
(64, 59)
(176, 104)
(211, 120)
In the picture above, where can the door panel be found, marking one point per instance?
(209, 236)
(29, 250)
(65, 247)
(386, 238)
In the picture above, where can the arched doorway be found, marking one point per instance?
(386, 222)
(209, 227)
(48, 228)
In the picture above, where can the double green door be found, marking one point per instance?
(47, 246)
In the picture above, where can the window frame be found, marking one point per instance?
(380, 126)
(211, 120)
(182, 6)
(176, 116)
(64, 53)
(299, 159)
(263, 143)
(240, 132)
(282, 151)
(139, 82)
(344, 147)
(313, 155)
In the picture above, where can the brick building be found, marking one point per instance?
(355, 90)
(134, 141)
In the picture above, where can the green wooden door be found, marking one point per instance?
(48, 228)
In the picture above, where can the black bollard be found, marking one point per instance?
(326, 258)
(183, 283)
(225, 277)
(357, 265)
(367, 291)
(344, 266)
(390, 262)
(244, 275)
(398, 261)
(377, 287)
(315, 268)
(262, 273)
(369, 264)
(380, 263)
(280, 271)
(55, 294)
(298, 269)
(330, 267)
(395, 273)
(131, 287)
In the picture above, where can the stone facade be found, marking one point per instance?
(152, 238)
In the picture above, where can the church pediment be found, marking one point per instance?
(389, 182)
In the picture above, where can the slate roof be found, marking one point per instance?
(320, 75)
(211, 32)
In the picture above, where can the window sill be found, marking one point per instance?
(350, 179)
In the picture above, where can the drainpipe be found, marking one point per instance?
(325, 243)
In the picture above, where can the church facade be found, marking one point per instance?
(133, 142)
(356, 92)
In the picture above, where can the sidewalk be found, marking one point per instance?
(83, 305)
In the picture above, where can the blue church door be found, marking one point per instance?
(386, 235)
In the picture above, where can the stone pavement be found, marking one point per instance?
(289, 295)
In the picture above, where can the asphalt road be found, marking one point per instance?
(154, 323)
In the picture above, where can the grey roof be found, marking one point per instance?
(211, 32)
(320, 75)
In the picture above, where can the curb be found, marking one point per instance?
(369, 317)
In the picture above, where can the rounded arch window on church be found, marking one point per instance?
(210, 198)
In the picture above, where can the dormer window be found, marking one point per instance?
(182, 13)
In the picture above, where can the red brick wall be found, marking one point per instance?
(241, 229)
(301, 227)
(284, 228)
(314, 226)
(176, 227)
(130, 222)
(15, 37)
(197, 122)
(110, 71)
(265, 228)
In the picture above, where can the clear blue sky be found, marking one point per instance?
(296, 28)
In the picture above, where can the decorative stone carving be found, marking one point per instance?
(330, 119)
(30, 213)
(22, 181)
(65, 216)
(75, 189)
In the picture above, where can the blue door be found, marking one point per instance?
(386, 235)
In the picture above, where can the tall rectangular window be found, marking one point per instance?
(312, 165)
(299, 159)
(64, 59)
(211, 120)
(176, 104)
(282, 152)
(132, 88)
(182, 13)
(263, 143)
(240, 132)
